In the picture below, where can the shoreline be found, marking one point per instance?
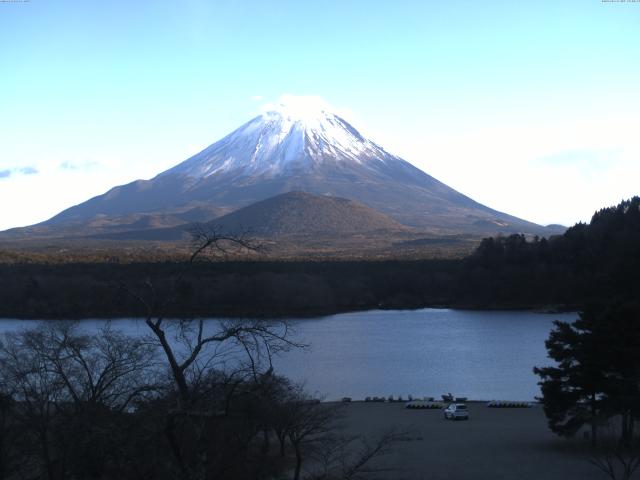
(301, 314)
(404, 402)
(499, 443)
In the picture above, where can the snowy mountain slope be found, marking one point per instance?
(281, 142)
(290, 148)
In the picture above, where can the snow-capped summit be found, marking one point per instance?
(300, 144)
(293, 135)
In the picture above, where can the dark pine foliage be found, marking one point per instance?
(600, 260)
(597, 372)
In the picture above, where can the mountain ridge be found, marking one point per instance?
(300, 149)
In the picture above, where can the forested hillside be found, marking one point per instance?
(599, 260)
(590, 262)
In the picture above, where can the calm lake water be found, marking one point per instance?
(482, 355)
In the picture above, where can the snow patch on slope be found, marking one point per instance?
(297, 133)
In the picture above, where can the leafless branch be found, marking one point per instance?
(615, 458)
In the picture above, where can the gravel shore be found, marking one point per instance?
(493, 444)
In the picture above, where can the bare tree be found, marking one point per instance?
(313, 430)
(308, 422)
(11, 438)
(64, 383)
(351, 457)
(193, 347)
(618, 458)
(37, 391)
(100, 369)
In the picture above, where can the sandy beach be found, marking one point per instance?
(493, 444)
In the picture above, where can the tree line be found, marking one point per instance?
(594, 386)
(589, 261)
(599, 260)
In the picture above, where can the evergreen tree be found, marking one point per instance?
(572, 391)
(597, 375)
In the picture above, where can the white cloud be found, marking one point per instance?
(12, 172)
(55, 188)
(87, 165)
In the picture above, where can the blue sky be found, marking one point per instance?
(529, 107)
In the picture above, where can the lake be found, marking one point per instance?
(482, 355)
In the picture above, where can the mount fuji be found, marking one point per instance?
(292, 147)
